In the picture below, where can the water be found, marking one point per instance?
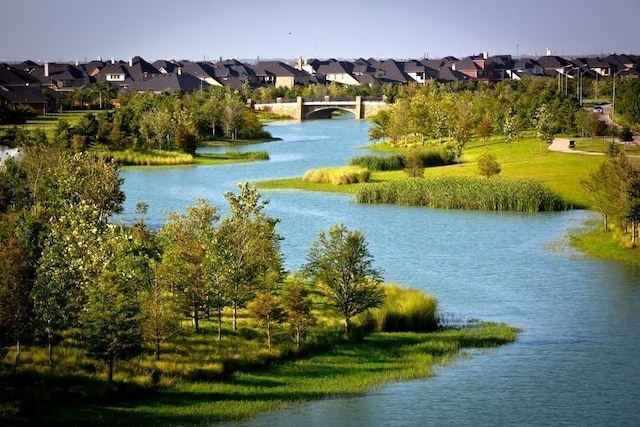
(575, 361)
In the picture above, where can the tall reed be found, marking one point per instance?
(404, 310)
(473, 193)
(338, 176)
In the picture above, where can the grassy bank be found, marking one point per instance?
(348, 368)
(611, 246)
(202, 379)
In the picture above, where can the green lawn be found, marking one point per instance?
(562, 172)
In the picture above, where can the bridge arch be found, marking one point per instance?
(326, 112)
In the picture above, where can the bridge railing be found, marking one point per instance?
(320, 99)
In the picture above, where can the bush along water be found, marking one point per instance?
(472, 193)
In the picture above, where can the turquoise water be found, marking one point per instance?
(575, 361)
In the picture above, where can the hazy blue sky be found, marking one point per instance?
(67, 30)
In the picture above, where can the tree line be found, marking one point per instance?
(64, 266)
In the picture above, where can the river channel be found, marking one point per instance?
(576, 360)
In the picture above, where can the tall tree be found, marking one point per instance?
(111, 318)
(253, 247)
(183, 239)
(342, 266)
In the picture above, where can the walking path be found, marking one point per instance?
(562, 145)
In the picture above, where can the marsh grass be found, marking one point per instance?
(474, 193)
(131, 157)
(338, 176)
(404, 310)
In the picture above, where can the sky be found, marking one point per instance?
(70, 30)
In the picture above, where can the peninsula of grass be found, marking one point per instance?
(132, 157)
(346, 369)
(200, 379)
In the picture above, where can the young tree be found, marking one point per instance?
(342, 266)
(297, 308)
(413, 167)
(183, 239)
(488, 165)
(484, 128)
(111, 318)
(545, 126)
(266, 310)
(16, 281)
(253, 247)
(510, 129)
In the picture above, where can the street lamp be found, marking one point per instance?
(613, 101)
(581, 82)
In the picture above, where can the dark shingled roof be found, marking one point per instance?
(170, 82)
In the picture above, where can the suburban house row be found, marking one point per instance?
(39, 84)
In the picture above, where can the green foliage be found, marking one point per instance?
(464, 193)
(297, 307)
(379, 163)
(338, 176)
(266, 310)
(488, 165)
(342, 267)
(413, 165)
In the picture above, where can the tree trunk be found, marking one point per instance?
(235, 317)
(157, 347)
(16, 362)
(633, 232)
(110, 370)
(347, 320)
(50, 345)
(606, 223)
(219, 324)
(195, 319)
(269, 335)
(298, 338)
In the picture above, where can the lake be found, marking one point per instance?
(573, 364)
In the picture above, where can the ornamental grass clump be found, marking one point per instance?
(338, 176)
(404, 310)
(470, 193)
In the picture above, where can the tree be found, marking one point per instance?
(484, 128)
(544, 124)
(380, 124)
(183, 239)
(510, 129)
(16, 281)
(297, 308)
(253, 247)
(488, 165)
(413, 167)
(342, 266)
(111, 318)
(266, 310)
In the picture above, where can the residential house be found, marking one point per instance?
(279, 74)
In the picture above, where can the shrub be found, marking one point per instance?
(488, 165)
(338, 176)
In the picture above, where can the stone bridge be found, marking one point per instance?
(321, 108)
